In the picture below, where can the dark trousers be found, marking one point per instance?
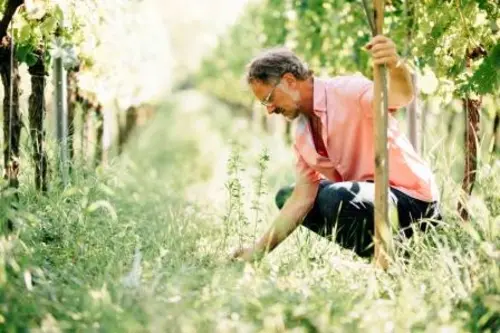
(344, 212)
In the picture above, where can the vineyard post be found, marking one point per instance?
(72, 100)
(382, 238)
(61, 116)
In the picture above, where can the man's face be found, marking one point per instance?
(282, 98)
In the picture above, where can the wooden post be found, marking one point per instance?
(383, 235)
(71, 102)
(61, 117)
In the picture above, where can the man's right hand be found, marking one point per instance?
(242, 253)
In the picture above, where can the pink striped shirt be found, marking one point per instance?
(344, 105)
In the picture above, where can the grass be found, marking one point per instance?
(141, 246)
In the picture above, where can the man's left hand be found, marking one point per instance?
(383, 51)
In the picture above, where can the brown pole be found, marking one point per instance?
(383, 237)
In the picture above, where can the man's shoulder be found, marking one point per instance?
(347, 84)
(351, 79)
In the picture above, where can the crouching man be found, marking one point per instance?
(333, 194)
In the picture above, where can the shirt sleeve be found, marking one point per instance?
(303, 172)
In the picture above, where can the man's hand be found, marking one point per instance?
(383, 51)
(243, 253)
(289, 218)
(400, 85)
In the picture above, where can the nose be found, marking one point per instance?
(270, 109)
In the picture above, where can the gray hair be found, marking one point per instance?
(271, 65)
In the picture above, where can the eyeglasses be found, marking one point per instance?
(267, 101)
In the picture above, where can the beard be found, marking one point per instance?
(279, 110)
(290, 114)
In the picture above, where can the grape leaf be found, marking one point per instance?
(22, 51)
(486, 79)
(31, 59)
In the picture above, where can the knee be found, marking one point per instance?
(330, 200)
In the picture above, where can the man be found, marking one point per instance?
(334, 190)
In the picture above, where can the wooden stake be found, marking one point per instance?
(61, 110)
(383, 235)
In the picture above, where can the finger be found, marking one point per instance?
(384, 60)
(380, 39)
(384, 53)
(381, 46)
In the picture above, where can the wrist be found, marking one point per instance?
(399, 64)
(402, 67)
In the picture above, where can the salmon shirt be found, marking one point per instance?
(344, 106)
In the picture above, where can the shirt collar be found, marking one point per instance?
(319, 94)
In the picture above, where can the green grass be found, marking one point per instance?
(69, 265)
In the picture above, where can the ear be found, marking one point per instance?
(290, 79)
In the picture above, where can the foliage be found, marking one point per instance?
(438, 38)
(38, 22)
(222, 73)
(455, 38)
(85, 32)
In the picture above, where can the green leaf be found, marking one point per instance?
(48, 25)
(486, 79)
(22, 51)
(58, 14)
(31, 58)
(25, 33)
(47, 58)
(457, 68)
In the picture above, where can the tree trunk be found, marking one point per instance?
(12, 121)
(86, 110)
(496, 134)
(10, 9)
(12, 118)
(451, 123)
(37, 112)
(471, 108)
(120, 139)
(98, 157)
(131, 116)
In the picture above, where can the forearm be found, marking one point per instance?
(400, 86)
(288, 220)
